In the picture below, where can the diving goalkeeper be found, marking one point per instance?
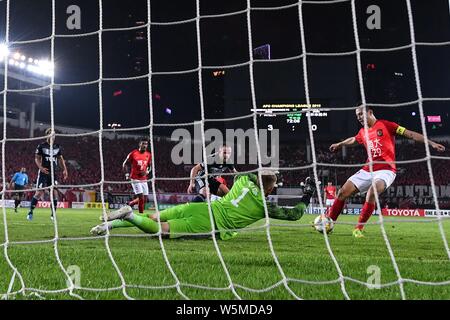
(242, 206)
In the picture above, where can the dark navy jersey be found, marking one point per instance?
(43, 150)
(216, 169)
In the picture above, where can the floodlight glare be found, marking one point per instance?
(3, 51)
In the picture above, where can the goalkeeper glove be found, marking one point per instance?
(127, 176)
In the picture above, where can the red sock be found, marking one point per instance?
(336, 209)
(141, 204)
(366, 212)
(133, 202)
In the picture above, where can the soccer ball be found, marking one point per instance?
(323, 223)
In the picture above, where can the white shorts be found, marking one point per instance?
(140, 187)
(363, 179)
(329, 202)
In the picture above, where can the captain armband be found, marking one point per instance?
(400, 130)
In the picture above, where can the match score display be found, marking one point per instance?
(291, 115)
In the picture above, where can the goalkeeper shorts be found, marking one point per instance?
(188, 219)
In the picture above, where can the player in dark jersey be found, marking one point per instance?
(43, 159)
(217, 164)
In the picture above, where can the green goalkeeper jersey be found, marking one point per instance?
(244, 205)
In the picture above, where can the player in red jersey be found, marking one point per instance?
(381, 145)
(140, 160)
(329, 194)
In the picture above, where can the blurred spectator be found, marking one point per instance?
(82, 155)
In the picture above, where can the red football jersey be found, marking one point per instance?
(381, 144)
(139, 164)
(330, 191)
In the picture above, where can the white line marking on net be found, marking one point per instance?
(258, 148)
(202, 131)
(5, 223)
(100, 147)
(313, 149)
(369, 152)
(152, 149)
(52, 187)
(422, 122)
(250, 63)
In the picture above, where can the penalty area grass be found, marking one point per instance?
(418, 248)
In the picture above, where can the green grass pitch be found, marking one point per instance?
(418, 248)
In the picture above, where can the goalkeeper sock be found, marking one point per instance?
(365, 215)
(118, 223)
(16, 203)
(198, 198)
(33, 204)
(336, 209)
(145, 224)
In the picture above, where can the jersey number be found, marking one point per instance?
(235, 202)
(376, 152)
(142, 164)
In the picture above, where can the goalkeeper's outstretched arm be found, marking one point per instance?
(299, 210)
(292, 214)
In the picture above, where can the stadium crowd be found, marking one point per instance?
(82, 155)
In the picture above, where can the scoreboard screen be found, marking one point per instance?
(289, 116)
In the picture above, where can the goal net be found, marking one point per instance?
(273, 260)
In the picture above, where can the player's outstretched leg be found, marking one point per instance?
(142, 222)
(102, 228)
(368, 207)
(119, 213)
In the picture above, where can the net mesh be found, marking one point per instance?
(342, 280)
